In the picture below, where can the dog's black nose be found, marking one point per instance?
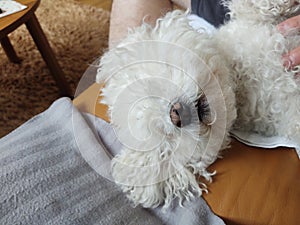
(180, 114)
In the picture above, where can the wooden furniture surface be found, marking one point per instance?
(27, 16)
(13, 21)
(89, 101)
(253, 186)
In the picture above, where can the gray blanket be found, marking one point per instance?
(54, 170)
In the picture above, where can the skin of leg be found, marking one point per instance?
(183, 4)
(130, 13)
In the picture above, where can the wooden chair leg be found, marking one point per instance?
(9, 50)
(48, 55)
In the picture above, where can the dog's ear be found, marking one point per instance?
(150, 182)
(101, 77)
(138, 175)
(106, 67)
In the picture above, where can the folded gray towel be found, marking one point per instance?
(45, 179)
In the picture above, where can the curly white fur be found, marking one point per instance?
(267, 94)
(242, 60)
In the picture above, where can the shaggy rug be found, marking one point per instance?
(77, 33)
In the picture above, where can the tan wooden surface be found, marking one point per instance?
(252, 186)
(89, 101)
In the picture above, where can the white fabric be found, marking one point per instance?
(256, 140)
(45, 180)
(201, 25)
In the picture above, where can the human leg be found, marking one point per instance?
(130, 13)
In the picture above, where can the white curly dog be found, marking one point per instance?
(175, 93)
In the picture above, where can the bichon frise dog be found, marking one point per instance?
(174, 94)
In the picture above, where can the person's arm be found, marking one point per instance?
(130, 13)
(292, 58)
(183, 4)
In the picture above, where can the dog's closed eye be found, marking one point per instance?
(203, 108)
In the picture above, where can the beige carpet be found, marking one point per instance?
(78, 34)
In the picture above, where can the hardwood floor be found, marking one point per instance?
(104, 4)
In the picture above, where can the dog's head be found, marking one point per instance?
(169, 95)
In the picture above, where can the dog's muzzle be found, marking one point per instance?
(181, 114)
